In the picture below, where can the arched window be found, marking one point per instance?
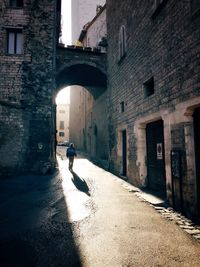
(122, 42)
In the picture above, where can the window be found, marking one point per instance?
(157, 6)
(62, 125)
(61, 134)
(61, 111)
(122, 42)
(149, 87)
(95, 130)
(122, 106)
(157, 3)
(15, 41)
(88, 42)
(16, 3)
(195, 5)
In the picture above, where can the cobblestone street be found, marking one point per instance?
(90, 218)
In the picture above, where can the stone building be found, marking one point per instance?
(88, 123)
(94, 32)
(62, 123)
(153, 82)
(82, 12)
(29, 30)
(78, 116)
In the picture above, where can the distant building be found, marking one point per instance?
(83, 12)
(62, 122)
(94, 33)
(88, 128)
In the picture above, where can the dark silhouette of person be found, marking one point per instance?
(71, 153)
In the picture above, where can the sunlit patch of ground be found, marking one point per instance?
(76, 200)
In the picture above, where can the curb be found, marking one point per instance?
(166, 212)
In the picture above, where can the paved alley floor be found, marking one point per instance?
(87, 218)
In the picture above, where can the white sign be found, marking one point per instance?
(159, 151)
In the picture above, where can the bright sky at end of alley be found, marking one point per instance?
(63, 97)
(66, 21)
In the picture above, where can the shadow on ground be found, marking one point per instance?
(80, 183)
(34, 224)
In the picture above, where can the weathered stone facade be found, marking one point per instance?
(95, 30)
(82, 12)
(27, 81)
(153, 74)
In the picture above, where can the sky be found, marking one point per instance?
(66, 21)
(63, 96)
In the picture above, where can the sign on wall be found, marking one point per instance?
(159, 151)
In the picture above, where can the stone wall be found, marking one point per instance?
(26, 85)
(161, 42)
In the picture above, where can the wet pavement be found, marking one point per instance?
(88, 218)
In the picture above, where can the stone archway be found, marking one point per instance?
(93, 79)
(87, 69)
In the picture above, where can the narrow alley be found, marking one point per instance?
(89, 218)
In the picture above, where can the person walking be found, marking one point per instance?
(71, 153)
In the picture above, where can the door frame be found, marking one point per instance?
(197, 158)
(124, 152)
(156, 156)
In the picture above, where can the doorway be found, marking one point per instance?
(196, 117)
(156, 177)
(124, 153)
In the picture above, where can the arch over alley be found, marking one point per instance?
(88, 111)
(76, 66)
